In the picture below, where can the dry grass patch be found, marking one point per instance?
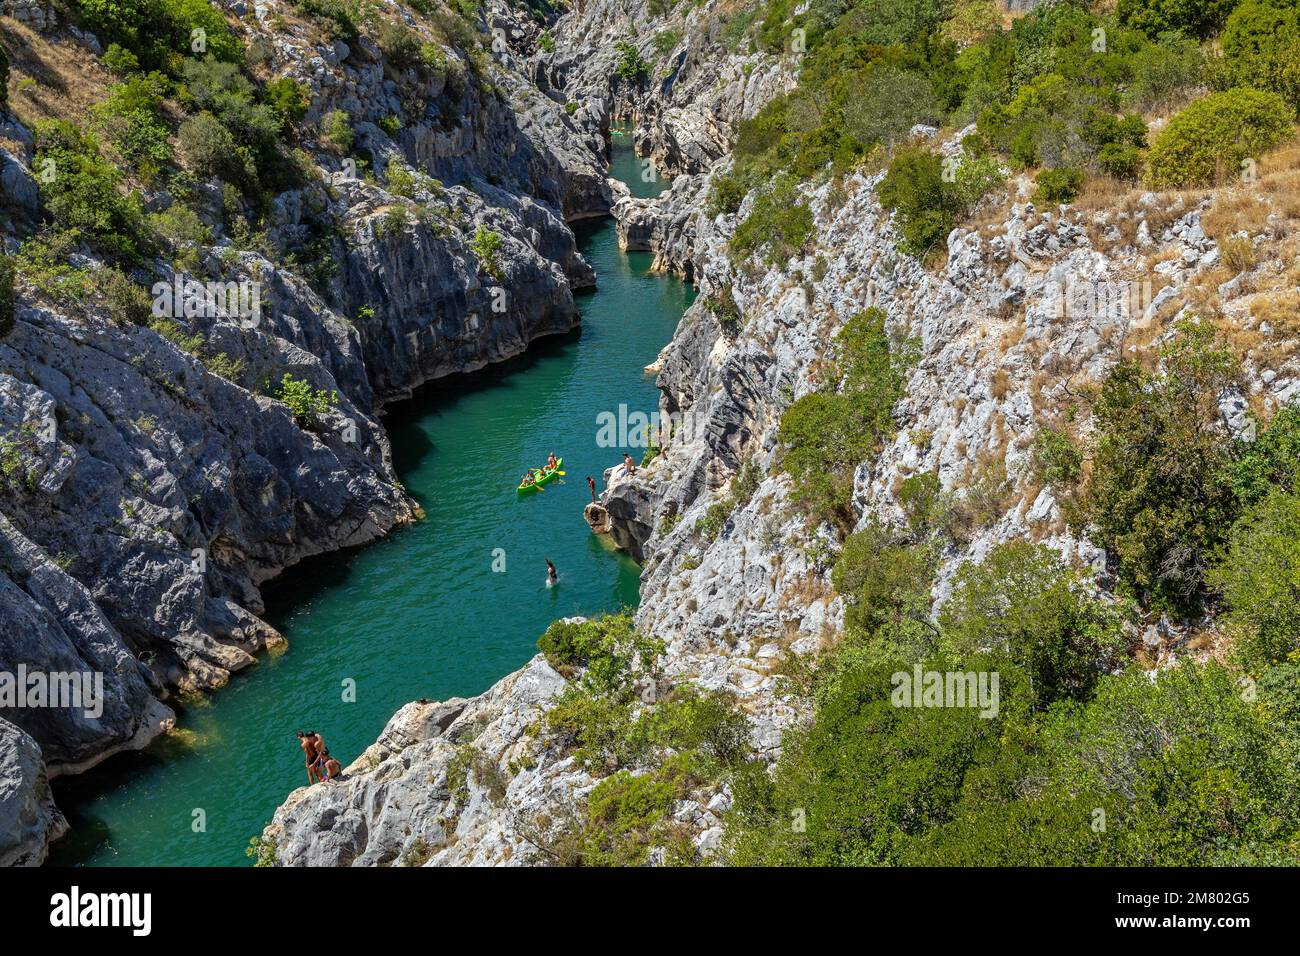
(69, 79)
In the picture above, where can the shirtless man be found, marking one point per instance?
(310, 749)
(551, 461)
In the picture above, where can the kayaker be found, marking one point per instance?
(552, 576)
(551, 462)
(527, 479)
(591, 483)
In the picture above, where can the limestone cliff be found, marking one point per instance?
(998, 349)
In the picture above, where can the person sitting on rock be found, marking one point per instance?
(322, 755)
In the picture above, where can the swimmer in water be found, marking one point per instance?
(552, 576)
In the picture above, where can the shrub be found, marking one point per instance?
(120, 60)
(1259, 578)
(890, 103)
(1155, 17)
(665, 42)
(208, 148)
(1271, 460)
(1055, 186)
(304, 402)
(131, 117)
(84, 194)
(886, 585)
(128, 303)
(336, 131)
(486, 246)
(828, 434)
(1054, 457)
(1025, 603)
(608, 646)
(1208, 141)
(400, 46)
(629, 66)
(779, 222)
(1159, 496)
(929, 196)
(1261, 48)
(289, 98)
(8, 295)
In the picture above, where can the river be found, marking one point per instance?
(427, 612)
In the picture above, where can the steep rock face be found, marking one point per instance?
(683, 110)
(396, 803)
(28, 818)
(150, 483)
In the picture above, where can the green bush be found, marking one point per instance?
(208, 148)
(1055, 459)
(886, 585)
(1055, 186)
(306, 403)
(828, 434)
(487, 247)
(289, 98)
(8, 295)
(120, 60)
(1271, 460)
(629, 66)
(1259, 579)
(1208, 142)
(1160, 495)
(83, 194)
(779, 222)
(1155, 17)
(929, 197)
(1261, 48)
(336, 131)
(1022, 601)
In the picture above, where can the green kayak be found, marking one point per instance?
(548, 474)
(542, 478)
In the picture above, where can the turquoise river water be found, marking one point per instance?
(422, 613)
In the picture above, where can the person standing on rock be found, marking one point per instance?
(629, 464)
(591, 483)
(307, 740)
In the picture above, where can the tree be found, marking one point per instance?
(1259, 579)
(1023, 601)
(1160, 497)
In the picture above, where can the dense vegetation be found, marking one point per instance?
(1080, 764)
(1065, 90)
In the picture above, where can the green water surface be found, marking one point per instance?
(422, 613)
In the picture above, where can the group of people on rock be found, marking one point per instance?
(320, 765)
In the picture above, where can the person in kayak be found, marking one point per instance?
(551, 462)
(552, 576)
(591, 483)
(528, 479)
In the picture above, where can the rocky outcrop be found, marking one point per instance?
(29, 819)
(151, 482)
(684, 108)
